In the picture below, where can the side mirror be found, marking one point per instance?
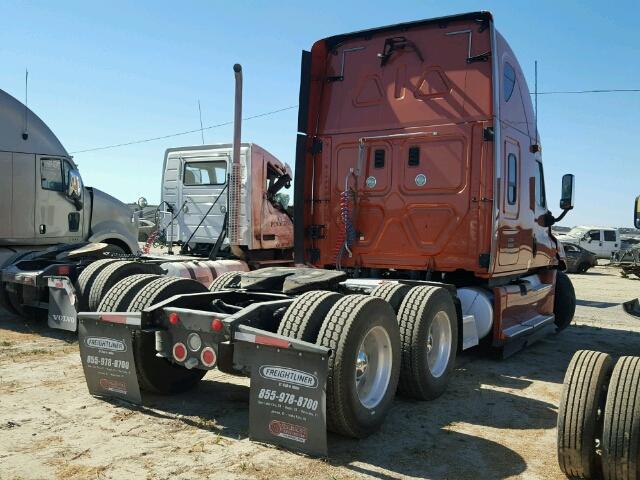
(75, 188)
(566, 195)
(142, 202)
(636, 213)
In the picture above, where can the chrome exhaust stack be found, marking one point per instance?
(235, 178)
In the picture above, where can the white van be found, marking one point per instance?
(603, 241)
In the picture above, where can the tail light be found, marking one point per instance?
(179, 352)
(64, 270)
(194, 342)
(174, 318)
(217, 324)
(208, 357)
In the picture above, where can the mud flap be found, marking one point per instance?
(62, 312)
(288, 390)
(106, 349)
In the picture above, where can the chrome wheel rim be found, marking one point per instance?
(439, 344)
(373, 367)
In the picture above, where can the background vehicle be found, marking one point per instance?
(422, 209)
(602, 241)
(194, 196)
(45, 202)
(599, 413)
(579, 260)
(145, 228)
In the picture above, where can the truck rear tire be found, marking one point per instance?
(580, 413)
(86, 279)
(364, 366)
(157, 374)
(305, 315)
(118, 298)
(564, 303)
(391, 292)
(225, 281)
(109, 276)
(621, 432)
(10, 301)
(429, 337)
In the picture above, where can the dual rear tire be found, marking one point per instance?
(399, 338)
(599, 418)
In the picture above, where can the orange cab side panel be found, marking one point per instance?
(423, 199)
(522, 242)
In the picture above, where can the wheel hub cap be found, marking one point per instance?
(439, 344)
(373, 364)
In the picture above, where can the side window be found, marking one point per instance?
(541, 196)
(512, 179)
(594, 235)
(508, 81)
(51, 174)
(609, 236)
(205, 173)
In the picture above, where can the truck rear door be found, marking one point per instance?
(610, 242)
(203, 182)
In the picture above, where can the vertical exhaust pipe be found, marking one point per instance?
(235, 179)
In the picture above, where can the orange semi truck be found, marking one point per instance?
(421, 228)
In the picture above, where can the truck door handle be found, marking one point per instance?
(600, 243)
(43, 229)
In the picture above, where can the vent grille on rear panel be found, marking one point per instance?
(414, 156)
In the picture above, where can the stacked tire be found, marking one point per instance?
(599, 418)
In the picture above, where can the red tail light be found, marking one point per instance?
(179, 352)
(217, 324)
(208, 357)
(174, 318)
(64, 270)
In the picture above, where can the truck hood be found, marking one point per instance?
(112, 221)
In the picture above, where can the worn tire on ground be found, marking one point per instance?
(118, 298)
(621, 432)
(305, 315)
(391, 292)
(109, 276)
(225, 281)
(348, 322)
(417, 313)
(580, 413)
(564, 303)
(86, 279)
(156, 374)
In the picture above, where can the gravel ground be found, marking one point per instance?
(497, 419)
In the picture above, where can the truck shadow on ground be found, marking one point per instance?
(35, 326)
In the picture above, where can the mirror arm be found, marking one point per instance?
(549, 219)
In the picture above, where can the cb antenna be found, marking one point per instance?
(201, 129)
(25, 131)
(535, 96)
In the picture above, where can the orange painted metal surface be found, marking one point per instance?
(432, 184)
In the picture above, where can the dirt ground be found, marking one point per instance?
(497, 419)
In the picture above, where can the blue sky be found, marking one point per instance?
(102, 73)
